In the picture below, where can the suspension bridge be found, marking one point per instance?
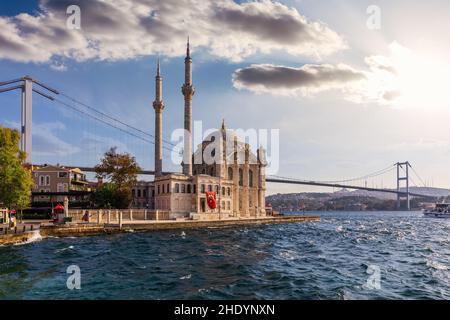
(27, 85)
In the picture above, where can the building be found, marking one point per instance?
(143, 195)
(221, 166)
(53, 183)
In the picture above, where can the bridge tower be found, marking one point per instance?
(401, 178)
(26, 86)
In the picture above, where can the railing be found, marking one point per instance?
(4, 216)
(118, 215)
(5, 229)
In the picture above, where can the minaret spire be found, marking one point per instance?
(158, 71)
(188, 91)
(188, 53)
(158, 105)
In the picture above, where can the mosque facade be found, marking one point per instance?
(223, 176)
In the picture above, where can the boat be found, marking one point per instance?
(441, 210)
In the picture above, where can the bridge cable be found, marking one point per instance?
(113, 118)
(421, 180)
(370, 175)
(106, 122)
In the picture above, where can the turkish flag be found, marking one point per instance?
(211, 200)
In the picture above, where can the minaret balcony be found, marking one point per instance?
(158, 106)
(188, 90)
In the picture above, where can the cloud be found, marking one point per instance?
(122, 29)
(58, 66)
(96, 144)
(46, 141)
(422, 144)
(401, 79)
(309, 78)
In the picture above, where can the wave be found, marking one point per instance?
(288, 255)
(436, 265)
(34, 238)
(64, 249)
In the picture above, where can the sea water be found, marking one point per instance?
(347, 255)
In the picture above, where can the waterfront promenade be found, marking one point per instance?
(84, 228)
(117, 221)
(21, 233)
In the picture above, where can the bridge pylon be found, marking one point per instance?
(400, 165)
(26, 86)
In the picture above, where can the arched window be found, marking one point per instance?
(250, 178)
(168, 188)
(203, 171)
(241, 177)
(229, 191)
(188, 188)
(217, 189)
(139, 193)
(223, 191)
(177, 188)
(210, 187)
(230, 173)
(163, 188)
(203, 188)
(183, 188)
(194, 188)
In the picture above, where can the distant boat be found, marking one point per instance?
(441, 210)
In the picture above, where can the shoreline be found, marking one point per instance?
(142, 226)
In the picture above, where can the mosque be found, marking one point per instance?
(222, 177)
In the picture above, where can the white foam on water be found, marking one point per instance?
(64, 249)
(339, 229)
(188, 276)
(183, 234)
(34, 238)
(288, 255)
(436, 265)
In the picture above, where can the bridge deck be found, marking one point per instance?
(309, 183)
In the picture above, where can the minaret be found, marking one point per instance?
(158, 105)
(188, 91)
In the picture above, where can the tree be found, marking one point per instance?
(108, 196)
(16, 181)
(121, 170)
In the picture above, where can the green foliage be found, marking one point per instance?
(16, 181)
(121, 170)
(109, 196)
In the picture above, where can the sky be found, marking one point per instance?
(352, 86)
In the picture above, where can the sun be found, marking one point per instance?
(412, 79)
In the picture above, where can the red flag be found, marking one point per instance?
(211, 199)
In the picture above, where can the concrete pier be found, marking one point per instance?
(20, 234)
(80, 229)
